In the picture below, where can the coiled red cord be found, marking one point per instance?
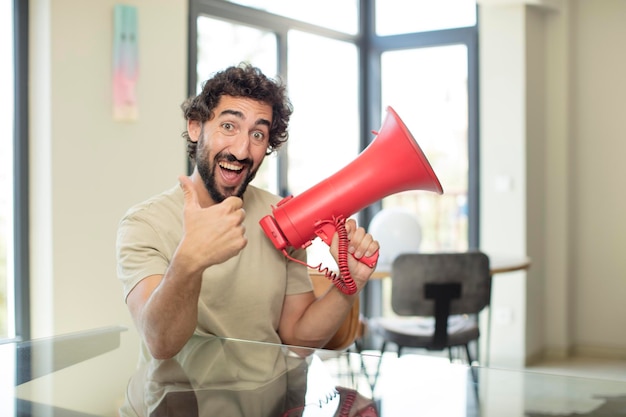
(344, 408)
(348, 403)
(343, 281)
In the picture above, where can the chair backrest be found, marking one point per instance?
(411, 271)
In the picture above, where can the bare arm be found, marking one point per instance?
(164, 307)
(310, 321)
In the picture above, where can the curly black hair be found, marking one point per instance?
(243, 80)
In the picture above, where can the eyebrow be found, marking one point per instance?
(239, 115)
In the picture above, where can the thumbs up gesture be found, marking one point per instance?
(211, 235)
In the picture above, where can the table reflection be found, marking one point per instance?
(88, 374)
(225, 377)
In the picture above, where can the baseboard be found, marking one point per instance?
(603, 352)
(549, 353)
(559, 353)
(534, 358)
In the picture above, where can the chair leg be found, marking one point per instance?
(468, 354)
(358, 345)
(383, 347)
(380, 359)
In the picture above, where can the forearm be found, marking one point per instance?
(318, 323)
(168, 317)
(316, 320)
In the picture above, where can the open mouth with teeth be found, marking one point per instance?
(231, 172)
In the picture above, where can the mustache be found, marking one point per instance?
(231, 158)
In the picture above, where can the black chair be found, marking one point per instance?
(437, 298)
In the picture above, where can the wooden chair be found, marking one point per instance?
(352, 328)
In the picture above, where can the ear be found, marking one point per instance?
(194, 127)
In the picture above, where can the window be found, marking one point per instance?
(324, 128)
(343, 69)
(7, 297)
(14, 310)
(222, 43)
(325, 123)
(433, 105)
(428, 74)
(399, 16)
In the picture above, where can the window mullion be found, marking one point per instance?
(21, 174)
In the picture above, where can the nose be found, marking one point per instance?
(240, 147)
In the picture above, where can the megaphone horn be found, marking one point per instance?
(392, 163)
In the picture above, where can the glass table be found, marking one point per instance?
(82, 374)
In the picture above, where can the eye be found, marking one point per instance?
(258, 136)
(228, 127)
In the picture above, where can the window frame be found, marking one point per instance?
(21, 172)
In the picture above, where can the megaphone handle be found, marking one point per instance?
(370, 260)
(326, 230)
(344, 282)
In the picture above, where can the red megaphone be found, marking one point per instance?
(392, 163)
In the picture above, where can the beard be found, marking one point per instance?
(207, 170)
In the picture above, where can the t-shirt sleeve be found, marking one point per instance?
(298, 275)
(140, 252)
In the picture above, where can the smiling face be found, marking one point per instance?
(231, 145)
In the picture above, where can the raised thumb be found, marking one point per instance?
(191, 198)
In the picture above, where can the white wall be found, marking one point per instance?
(503, 160)
(552, 112)
(87, 169)
(598, 171)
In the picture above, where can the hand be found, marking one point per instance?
(360, 243)
(211, 235)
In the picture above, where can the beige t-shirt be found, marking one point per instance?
(241, 298)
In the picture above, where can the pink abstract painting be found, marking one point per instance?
(125, 63)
